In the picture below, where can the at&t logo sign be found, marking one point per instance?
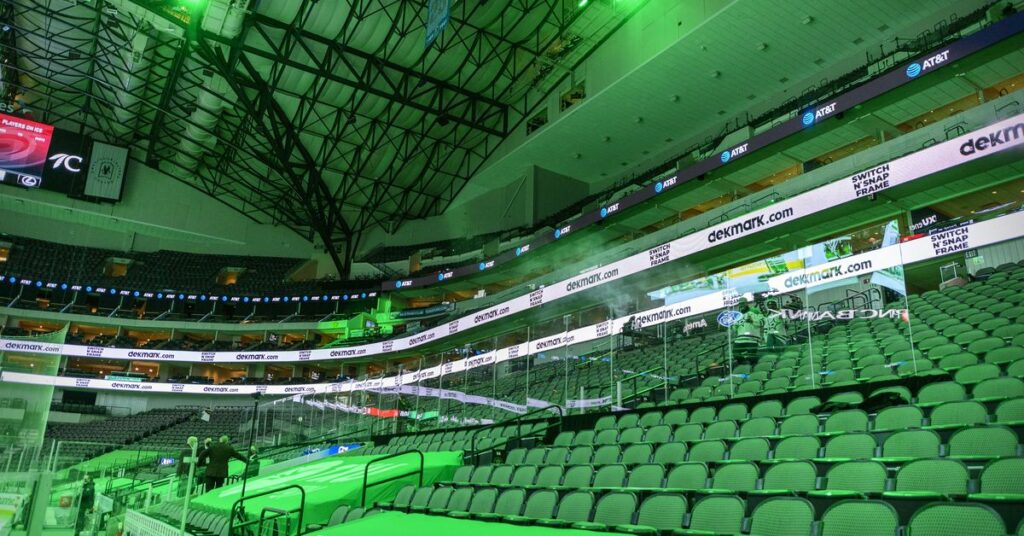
(913, 70)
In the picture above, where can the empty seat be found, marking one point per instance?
(719, 514)
(660, 512)
(612, 509)
(859, 518)
(955, 519)
(940, 477)
(911, 444)
(983, 442)
(782, 516)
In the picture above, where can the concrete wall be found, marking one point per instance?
(156, 212)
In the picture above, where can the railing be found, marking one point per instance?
(636, 376)
(366, 473)
(238, 513)
(519, 427)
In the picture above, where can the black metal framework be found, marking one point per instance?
(327, 128)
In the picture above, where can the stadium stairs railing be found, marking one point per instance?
(238, 513)
(518, 420)
(634, 394)
(366, 472)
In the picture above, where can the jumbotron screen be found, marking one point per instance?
(23, 149)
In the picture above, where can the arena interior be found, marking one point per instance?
(511, 267)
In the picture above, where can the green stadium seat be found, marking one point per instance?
(998, 389)
(687, 476)
(670, 453)
(857, 517)
(646, 476)
(607, 437)
(702, 415)
(564, 439)
(973, 374)
(931, 479)
(720, 430)
(574, 507)
(584, 437)
(854, 479)
(688, 432)
(660, 512)
(482, 503)
(716, 514)
(581, 455)
(657, 434)
(500, 475)
(605, 423)
(750, 449)
(516, 456)
(458, 502)
(629, 420)
(957, 361)
(1016, 369)
(955, 519)
(578, 476)
(609, 477)
(524, 476)
(957, 414)
(758, 427)
(851, 446)
(509, 503)
(799, 425)
(937, 393)
(557, 455)
(1006, 354)
(1001, 480)
(675, 417)
(898, 418)
(637, 454)
(782, 516)
(420, 498)
(463, 474)
(607, 454)
(540, 505)
(649, 419)
(797, 448)
(911, 444)
(983, 442)
(481, 475)
(802, 405)
(707, 451)
(613, 509)
(733, 412)
(1010, 411)
(788, 477)
(851, 420)
(734, 477)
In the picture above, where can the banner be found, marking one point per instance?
(907, 72)
(989, 140)
(106, 171)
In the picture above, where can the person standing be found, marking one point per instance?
(85, 504)
(217, 458)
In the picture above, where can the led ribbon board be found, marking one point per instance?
(1001, 229)
(989, 140)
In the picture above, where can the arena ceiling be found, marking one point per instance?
(328, 116)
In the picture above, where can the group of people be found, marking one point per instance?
(214, 458)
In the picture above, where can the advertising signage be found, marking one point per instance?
(812, 115)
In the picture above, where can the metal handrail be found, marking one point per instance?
(636, 376)
(519, 425)
(366, 472)
(236, 510)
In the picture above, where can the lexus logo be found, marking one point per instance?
(69, 162)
